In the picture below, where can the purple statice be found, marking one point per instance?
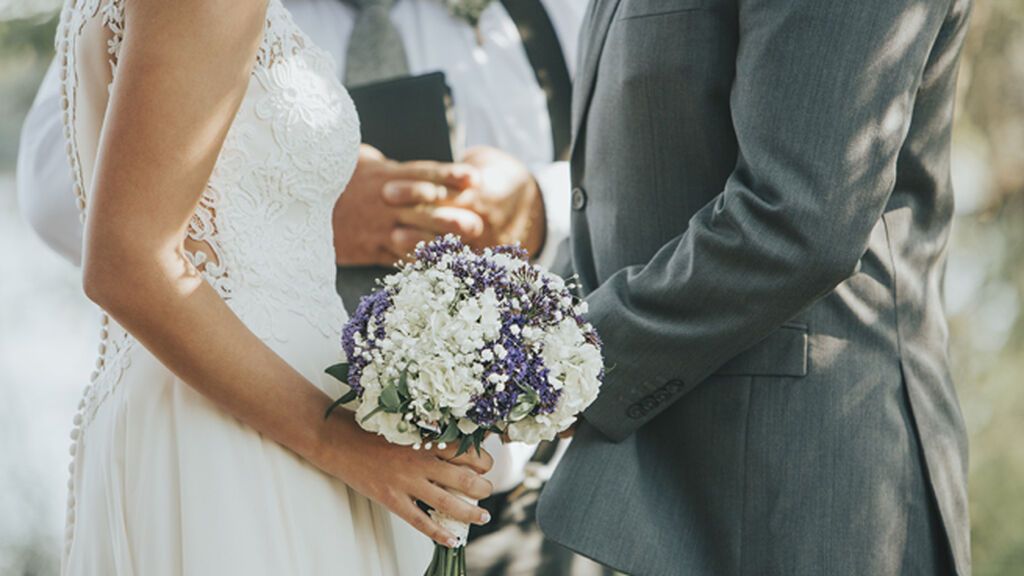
(355, 338)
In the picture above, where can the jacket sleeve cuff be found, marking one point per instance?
(632, 394)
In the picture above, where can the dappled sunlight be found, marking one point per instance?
(885, 56)
(48, 329)
(904, 31)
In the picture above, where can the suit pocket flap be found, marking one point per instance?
(631, 9)
(782, 353)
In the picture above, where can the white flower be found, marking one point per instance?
(467, 426)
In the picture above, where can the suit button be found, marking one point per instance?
(579, 199)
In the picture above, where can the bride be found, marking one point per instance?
(209, 141)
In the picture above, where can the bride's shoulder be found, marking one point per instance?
(211, 25)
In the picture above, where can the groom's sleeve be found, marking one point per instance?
(821, 105)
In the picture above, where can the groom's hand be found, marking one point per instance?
(507, 198)
(389, 206)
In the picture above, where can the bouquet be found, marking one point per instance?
(460, 344)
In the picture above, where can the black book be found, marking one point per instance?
(407, 118)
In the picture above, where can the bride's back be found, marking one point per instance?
(83, 44)
(261, 232)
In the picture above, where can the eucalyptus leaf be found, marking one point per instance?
(521, 410)
(403, 385)
(531, 394)
(339, 371)
(390, 399)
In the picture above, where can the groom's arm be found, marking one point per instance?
(821, 106)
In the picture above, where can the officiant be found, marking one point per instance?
(506, 65)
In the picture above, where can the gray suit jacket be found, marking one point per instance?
(761, 214)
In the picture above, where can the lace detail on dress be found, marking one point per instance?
(288, 155)
(112, 15)
(261, 234)
(281, 38)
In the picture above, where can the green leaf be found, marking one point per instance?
(521, 410)
(464, 445)
(390, 399)
(339, 371)
(332, 407)
(348, 397)
(531, 394)
(372, 413)
(450, 433)
(403, 385)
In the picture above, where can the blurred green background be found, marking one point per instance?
(985, 285)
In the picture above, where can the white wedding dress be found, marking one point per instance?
(163, 482)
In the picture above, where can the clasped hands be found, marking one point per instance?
(488, 198)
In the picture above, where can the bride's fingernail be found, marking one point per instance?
(451, 542)
(485, 518)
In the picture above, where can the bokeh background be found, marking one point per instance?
(48, 335)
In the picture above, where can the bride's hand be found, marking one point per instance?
(397, 476)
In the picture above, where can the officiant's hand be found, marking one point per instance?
(389, 206)
(507, 198)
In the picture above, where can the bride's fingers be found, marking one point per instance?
(447, 503)
(461, 479)
(419, 520)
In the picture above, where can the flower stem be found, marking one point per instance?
(447, 562)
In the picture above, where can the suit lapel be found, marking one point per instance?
(598, 20)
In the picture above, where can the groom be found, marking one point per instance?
(761, 209)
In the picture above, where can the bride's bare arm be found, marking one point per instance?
(183, 71)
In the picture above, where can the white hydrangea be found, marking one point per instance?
(575, 366)
(439, 345)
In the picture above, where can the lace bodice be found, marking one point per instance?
(264, 220)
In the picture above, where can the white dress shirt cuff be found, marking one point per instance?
(553, 180)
